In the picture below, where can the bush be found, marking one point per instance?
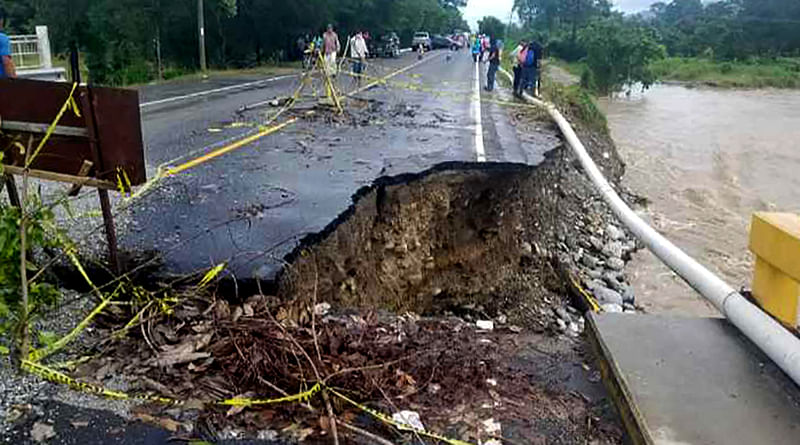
(40, 233)
(620, 53)
(587, 80)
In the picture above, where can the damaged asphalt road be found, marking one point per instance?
(250, 207)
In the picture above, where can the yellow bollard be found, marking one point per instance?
(775, 241)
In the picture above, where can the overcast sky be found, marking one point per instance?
(477, 9)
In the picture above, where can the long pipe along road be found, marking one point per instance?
(773, 339)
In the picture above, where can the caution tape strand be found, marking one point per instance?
(68, 104)
(54, 376)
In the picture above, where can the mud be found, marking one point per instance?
(495, 236)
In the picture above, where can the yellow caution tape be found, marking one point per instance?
(69, 104)
(460, 96)
(57, 377)
(228, 148)
(388, 420)
(211, 274)
(61, 378)
(589, 299)
(301, 397)
(38, 354)
(123, 182)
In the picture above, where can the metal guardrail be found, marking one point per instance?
(25, 51)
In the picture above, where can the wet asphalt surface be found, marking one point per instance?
(250, 207)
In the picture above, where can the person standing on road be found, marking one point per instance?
(494, 65)
(476, 50)
(518, 67)
(7, 68)
(331, 47)
(358, 52)
(527, 59)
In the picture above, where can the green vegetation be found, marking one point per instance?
(576, 102)
(492, 26)
(120, 38)
(618, 55)
(727, 43)
(758, 73)
(41, 233)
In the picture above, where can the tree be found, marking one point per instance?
(118, 37)
(538, 13)
(492, 26)
(620, 53)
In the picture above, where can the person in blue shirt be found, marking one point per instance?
(7, 68)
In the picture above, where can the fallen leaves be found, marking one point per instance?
(184, 352)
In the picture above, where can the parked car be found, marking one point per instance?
(421, 39)
(439, 42)
(387, 46)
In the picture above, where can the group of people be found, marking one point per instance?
(527, 63)
(329, 46)
(526, 58)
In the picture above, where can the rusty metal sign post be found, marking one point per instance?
(101, 148)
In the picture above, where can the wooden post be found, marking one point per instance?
(11, 186)
(105, 203)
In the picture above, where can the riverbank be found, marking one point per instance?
(761, 73)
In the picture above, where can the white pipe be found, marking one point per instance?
(772, 338)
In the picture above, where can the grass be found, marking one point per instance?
(176, 74)
(755, 73)
(574, 68)
(573, 100)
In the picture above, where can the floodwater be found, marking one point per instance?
(706, 159)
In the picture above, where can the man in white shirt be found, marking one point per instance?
(358, 52)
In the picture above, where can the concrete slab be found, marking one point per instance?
(693, 381)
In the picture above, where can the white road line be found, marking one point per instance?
(476, 112)
(214, 91)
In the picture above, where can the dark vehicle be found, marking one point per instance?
(438, 42)
(387, 46)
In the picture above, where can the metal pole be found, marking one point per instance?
(201, 30)
(158, 53)
(74, 62)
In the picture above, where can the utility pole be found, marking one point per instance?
(201, 35)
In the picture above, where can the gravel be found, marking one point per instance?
(21, 392)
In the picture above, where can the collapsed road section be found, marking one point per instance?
(476, 258)
(481, 260)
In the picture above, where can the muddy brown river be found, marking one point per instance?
(706, 159)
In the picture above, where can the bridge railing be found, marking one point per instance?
(31, 54)
(25, 52)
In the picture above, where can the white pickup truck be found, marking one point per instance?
(421, 39)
